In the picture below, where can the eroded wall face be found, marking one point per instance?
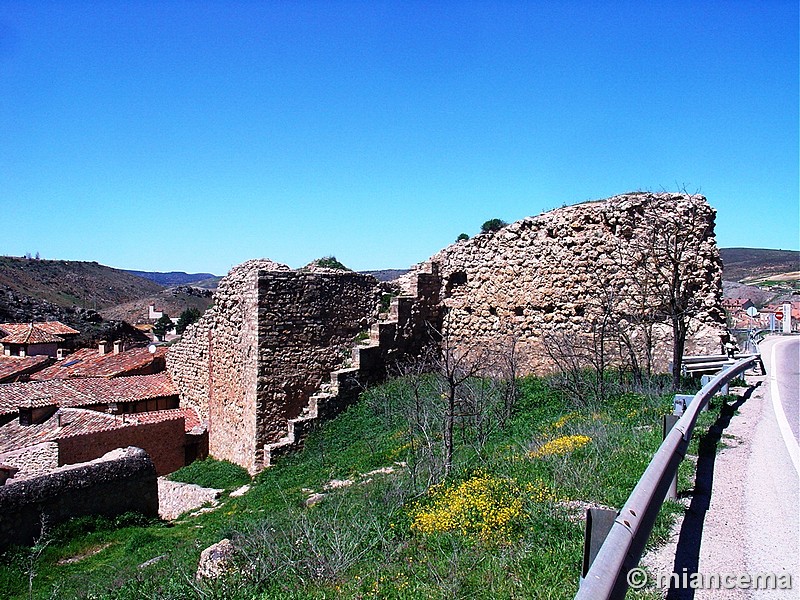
(214, 365)
(307, 324)
(556, 278)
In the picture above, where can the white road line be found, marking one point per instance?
(783, 423)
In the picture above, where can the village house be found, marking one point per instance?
(105, 362)
(34, 339)
(50, 423)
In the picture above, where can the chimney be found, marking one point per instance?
(102, 347)
(118, 346)
(61, 353)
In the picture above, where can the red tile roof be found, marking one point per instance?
(51, 327)
(30, 333)
(12, 367)
(88, 362)
(84, 392)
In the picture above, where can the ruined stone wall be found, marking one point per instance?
(121, 481)
(271, 338)
(551, 278)
(307, 324)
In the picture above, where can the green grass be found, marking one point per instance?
(212, 473)
(360, 541)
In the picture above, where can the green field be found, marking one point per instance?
(505, 523)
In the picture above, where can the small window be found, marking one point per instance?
(456, 279)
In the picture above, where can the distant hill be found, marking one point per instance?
(72, 292)
(386, 274)
(173, 277)
(171, 301)
(67, 283)
(752, 265)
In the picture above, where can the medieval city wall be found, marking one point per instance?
(553, 277)
(270, 340)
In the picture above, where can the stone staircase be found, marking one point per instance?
(388, 339)
(368, 358)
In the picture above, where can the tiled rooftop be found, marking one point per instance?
(71, 422)
(88, 362)
(30, 333)
(12, 367)
(84, 392)
(52, 327)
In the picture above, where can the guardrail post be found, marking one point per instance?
(598, 523)
(706, 379)
(680, 403)
(667, 423)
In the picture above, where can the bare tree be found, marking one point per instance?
(670, 267)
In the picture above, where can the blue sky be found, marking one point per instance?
(195, 135)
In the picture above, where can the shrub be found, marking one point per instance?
(493, 225)
(485, 505)
(561, 445)
(330, 262)
(462, 237)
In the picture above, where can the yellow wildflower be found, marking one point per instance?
(561, 445)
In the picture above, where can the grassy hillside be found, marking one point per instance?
(507, 522)
(72, 283)
(172, 301)
(750, 265)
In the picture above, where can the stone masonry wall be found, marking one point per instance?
(271, 338)
(121, 481)
(307, 324)
(547, 277)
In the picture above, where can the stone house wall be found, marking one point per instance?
(163, 441)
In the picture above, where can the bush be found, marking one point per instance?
(330, 262)
(212, 473)
(189, 316)
(493, 225)
(461, 237)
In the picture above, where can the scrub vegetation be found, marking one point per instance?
(376, 506)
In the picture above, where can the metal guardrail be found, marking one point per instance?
(622, 549)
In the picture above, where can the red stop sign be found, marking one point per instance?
(779, 315)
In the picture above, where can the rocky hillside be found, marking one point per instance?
(172, 301)
(64, 283)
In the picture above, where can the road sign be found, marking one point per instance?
(752, 311)
(779, 315)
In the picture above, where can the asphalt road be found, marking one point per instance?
(744, 511)
(784, 370)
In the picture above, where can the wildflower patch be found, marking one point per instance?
(485, 505)
(561, 445)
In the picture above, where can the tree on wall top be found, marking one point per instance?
(493, 225)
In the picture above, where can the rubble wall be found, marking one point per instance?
(307, 326)
(121, 481)
(553, 277)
